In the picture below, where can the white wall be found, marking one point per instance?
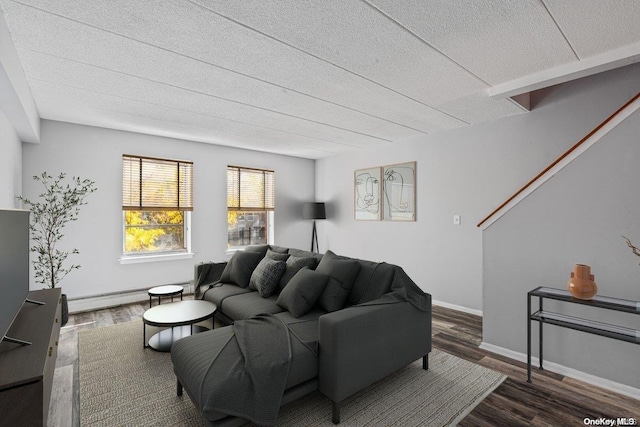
(10, 164)
(469, 172)
(96, 153)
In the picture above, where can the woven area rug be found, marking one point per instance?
(122, 384)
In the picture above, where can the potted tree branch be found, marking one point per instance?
(58, 205)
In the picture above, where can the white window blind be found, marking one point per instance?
(151, 184)
(250, 189)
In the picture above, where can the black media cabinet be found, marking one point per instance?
(26, 372)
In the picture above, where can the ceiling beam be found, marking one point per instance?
(16, 101)
(621, 57)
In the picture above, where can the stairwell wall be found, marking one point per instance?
(578, 216)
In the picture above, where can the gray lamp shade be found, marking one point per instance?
(313, 211)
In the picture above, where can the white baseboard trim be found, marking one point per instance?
(97, 302)
(563, 370)
(457, 307)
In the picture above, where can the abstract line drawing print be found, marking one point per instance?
(367, 194)
(399, 190)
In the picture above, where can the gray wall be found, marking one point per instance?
(10, 164)
(96, 153)
(468, 172)
(576, 217)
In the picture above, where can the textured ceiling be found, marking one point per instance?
(305, 78)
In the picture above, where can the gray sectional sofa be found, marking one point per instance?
(298, 322)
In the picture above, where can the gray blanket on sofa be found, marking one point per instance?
(240, 384)
(402, 282)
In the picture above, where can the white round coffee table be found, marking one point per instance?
(179, 317)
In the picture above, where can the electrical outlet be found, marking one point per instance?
(456, 220)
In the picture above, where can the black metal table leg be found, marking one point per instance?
(528, 337)
(540, 332)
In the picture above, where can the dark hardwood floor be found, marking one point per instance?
(551, 400)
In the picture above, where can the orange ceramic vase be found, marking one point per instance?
(581, 284)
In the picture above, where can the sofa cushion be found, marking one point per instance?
(278, 256)
(219, 292)
(302, 291)
(313, 314)
(342, 272)
(266, 276)
(248, 305)
(240, 267)
(294, 264)
(304, 365)
(192, 359)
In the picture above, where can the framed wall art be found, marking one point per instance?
(367, 189)
(399, 192)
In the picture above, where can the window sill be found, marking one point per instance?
(137, 259)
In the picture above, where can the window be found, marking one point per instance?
(250, 206)
(157, 199)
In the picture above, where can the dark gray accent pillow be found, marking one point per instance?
(240, 267)
(302, 291)
(294, 264)
(278, 256)
(258, 249)
(266, 276)
(305, 254)
(343, 271)
(279, 249)
(334, 295)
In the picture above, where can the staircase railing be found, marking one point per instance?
(591, 138)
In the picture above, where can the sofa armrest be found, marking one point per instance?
(362, 344)
(205, 274)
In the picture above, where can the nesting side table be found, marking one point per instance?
(165, 291)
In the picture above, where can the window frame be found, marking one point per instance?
(183, 204)
(267, 201)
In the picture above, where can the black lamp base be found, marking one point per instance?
(314, 238)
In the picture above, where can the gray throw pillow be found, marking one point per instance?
(302, 292)
(278, 256)
(240, 267)
(343, 272)
(266, 276)
(294, 264)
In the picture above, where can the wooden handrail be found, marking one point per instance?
(559, 159)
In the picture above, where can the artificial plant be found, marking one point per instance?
(58, 205)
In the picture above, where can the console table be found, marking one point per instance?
(26, 372)
(603, 329)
